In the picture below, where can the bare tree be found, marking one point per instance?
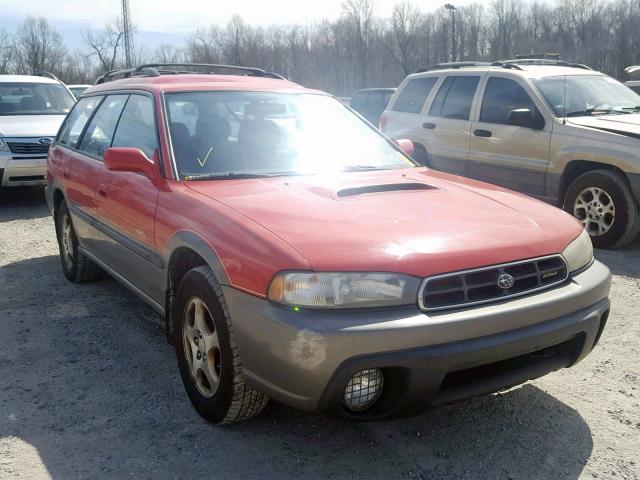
(359, 17)
(105, 45)
(403, 35)
(39, 46)
(7, 51)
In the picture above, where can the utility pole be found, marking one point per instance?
(126, 29)
(453, 11)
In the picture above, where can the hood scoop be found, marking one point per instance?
(384, 188)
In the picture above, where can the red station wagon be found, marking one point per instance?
(299, 254)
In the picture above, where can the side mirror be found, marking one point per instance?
(523, 117)
(127, 159)
(406, 146)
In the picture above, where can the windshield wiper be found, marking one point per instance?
(236, 175)
(590, 111)
(637, 107)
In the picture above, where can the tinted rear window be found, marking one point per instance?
(414, 94)
(455, 97)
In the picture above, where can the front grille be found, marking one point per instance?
(478, 286)
(20, 148)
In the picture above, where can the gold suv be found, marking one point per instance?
(557, 131)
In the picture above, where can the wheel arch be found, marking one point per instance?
(185, 251)
(575, 168)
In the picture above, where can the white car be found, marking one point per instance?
(32, 109)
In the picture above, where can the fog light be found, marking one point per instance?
(364, 389)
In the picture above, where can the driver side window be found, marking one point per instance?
(501, 96)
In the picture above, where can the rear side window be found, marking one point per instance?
(76, 121)
(500, 97)
(414, 94)
(137, 126)
(99, 134)
(455, 97)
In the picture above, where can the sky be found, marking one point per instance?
(169, 21)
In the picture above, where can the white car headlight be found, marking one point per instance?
(3, 146)
(343, 290)
(579, 253)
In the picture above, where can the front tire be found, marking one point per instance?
(207, 356)
(604, 203)
(76, 266)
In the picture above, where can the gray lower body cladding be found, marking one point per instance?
(305, 359)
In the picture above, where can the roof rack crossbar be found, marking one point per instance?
(454, 65)
(156, 69)
(542, 61)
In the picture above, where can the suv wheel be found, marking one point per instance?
(75, 265)
(207, 355)
(603, 202)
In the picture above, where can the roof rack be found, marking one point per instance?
(539, 55)
(157, 69)
(539, 61)
(46, 74)
(443, 66)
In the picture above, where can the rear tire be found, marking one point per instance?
(602, 200)
(76, 266)
(421, 155)
(210, 366)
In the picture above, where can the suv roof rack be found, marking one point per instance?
(47, 75)
(515, 63)
(443, 66)
(539, 55)
(157, 69)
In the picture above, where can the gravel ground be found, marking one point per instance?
(90, 389)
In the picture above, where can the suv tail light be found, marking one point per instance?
(382, 122)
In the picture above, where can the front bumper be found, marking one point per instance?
(305, 359)
(18, 171)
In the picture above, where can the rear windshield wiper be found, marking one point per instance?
(235, 175)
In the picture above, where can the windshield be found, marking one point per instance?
(22, 98)
(586, 95)
(227, 134)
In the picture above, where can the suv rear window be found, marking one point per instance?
(455, 97)
(414, 94)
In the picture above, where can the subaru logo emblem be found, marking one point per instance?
(45, 141)
(505, 281)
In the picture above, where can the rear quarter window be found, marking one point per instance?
(414, 94)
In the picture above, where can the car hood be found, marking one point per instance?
(627, 124)
(414, 221)
(30, 125)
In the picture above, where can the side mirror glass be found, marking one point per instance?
(127, 159)
(406, 146)
(523, 117)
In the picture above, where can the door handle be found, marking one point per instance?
(429, 125)
(65, 173)
(482, 133)
(102, 190)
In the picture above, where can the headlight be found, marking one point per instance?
(3, 146)
(343, 290)
(579, 253)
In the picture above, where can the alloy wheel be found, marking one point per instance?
(67, 241)
(201, 347)
(594, 207)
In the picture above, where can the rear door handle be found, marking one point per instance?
(429, 125)
(482, 133)
(102, 190)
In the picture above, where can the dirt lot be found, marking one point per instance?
(89, 389)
